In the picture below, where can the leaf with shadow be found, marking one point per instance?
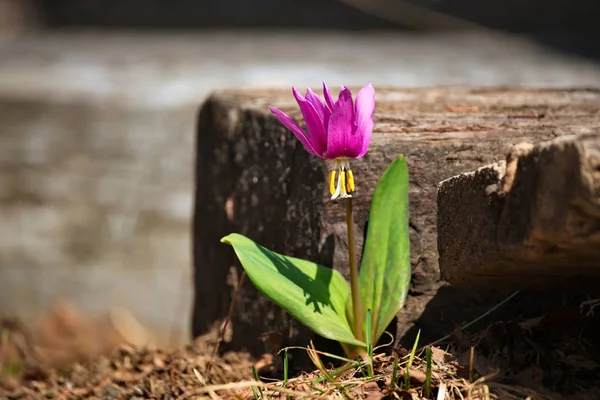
(312, 294)
(385, 271)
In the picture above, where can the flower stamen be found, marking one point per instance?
(345, 180)
(332, 182)
(350, 180)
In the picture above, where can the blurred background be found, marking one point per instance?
(98, 100)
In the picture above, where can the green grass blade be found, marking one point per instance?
(427, 389)
(385, 271)
(336, 372)
(369, 333)
(394, 373)
(254, 393)
(369, 340)
(410, 361)
(285, 367)
(285, 370)
(255, 373)
(340, 358)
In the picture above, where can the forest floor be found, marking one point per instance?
(553, 356)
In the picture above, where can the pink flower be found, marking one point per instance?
(337, 131)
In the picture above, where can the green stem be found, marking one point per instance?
(356, 305)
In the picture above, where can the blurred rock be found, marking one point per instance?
(18, 16)
(67, 336)
(523, 16)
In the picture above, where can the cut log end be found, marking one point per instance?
(533, 224)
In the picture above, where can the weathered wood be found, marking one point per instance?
(254, 178)
(530, 222)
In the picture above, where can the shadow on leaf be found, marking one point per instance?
(316, 290)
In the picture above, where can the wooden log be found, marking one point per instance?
(530, 222)
(253, 177)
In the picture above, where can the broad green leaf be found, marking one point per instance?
(313, 294)
(385, 271)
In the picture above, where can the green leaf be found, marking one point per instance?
(313, 294)
(385, 271)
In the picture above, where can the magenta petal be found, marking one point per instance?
(328, 98)
(322, 111)
(296, 130)
(365, 107)
(366, 139)
(341, 126)
(314, 124)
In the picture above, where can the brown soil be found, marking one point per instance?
(553, 356)
(129, 374)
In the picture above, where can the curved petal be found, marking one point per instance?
(365, 107)
(341, 126)
(323, 112)
(296, 130)
(314, 124)
(328, 98)
(366, 139)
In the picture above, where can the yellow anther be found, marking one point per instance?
(343, 181)
(350, 181)
(332, 182)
